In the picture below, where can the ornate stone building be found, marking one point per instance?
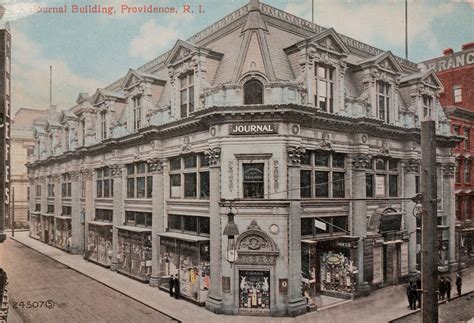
(263, 152)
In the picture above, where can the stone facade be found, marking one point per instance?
(309, 137)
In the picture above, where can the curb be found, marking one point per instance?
(105, 284)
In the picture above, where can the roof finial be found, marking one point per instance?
(253, 5)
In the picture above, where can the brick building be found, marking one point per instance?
(312, 135)
(456, 72)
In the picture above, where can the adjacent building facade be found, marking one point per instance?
(456, 72)
(263, 153)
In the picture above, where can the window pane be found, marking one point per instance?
(190, 223)
(306, 158)
(175, 183)
(149, 219)
(253, 92)
(106, 188)
(338, 184)
(175, 163)
(174, 222)
(204, 227)
(393, 165)
(204, 185)
(190, 185)
(322, 184)
(393, 185)
(149, 186)
(339, 224)
(321, 158)
(190, 161)
(130, 216)
(305, 183)
(140, 187)
(130, 187)
(338, 160)
(130, 169)
(99, 188)
(253, 180)
(380, 164)
(98, 173)
(140, 218)
(203, 160)
(369, 185)
(141, 167)
(306, 226)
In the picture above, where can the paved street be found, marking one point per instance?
(381, 306)
(34, 277)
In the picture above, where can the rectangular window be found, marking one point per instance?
(338, 184)
(417, 184)
(204, 226)
(149, 186)
(321, 182)
(369, 185)
(50, 209)
(459, 171)
(467, 171)
(324, 87)
(467, 138)
(204, 185)
(50, 189)
(393, 185)
(382, 178)
(457, 95)
(175, 184)
(139, 185)
(383, 101)
(38, 190)
(104, 183)
(174, 222)
(427, 106)
(66, 211)
(253, 180)
(37, 207)
(83, 132)
(139, 219)
(103, 125)
(307, 226)
(195, 177)
(103, 215)
(137, 112)
(190, 185)
(188, 224)
(186, 94)
(305, 183)
(66, 139)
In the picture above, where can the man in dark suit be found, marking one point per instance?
(172, 285)
(177, 292)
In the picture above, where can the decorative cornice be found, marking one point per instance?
(156, 165)
(361, 161)
(214, 156)
(294, 155)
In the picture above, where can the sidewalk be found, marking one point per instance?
(381, 306)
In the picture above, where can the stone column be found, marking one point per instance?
(296, 303)
(31, 203)
(360, 162)
(156, 166)
(449, 170)
(214, 300)
(77, 239)
(88, 176)
(411, 168)
(44, 203)
(117, 174)
(57, 203)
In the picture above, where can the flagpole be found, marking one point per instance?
(312, 11)
(406, 29)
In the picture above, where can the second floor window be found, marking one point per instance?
(66, 139)
(324, 87)
(383, 171)
(38, 190)
(194, 225)
(189, 177)
(457, 92)
(66, 185)
(137, 112)
(324, 225)
(103, 215)
(467, 138)
(140, 219)
(467, 171)
(253, 180)
(383, 101)
(186, 94)
(427, 106)
(103, 125)
(105, 183)
(139, 181)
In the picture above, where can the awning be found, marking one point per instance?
(103, 224)
(48, 214)
(182, 236)
(62, 217)
(331, 238)
(134, 229)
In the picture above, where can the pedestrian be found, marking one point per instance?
(177, 292)
(418, 289)
(448, 288)
(409, 294)
(441, 289)
(413, 296)
(458, 283)
(172, 285)
(3, 283)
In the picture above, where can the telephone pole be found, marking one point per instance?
(429, 230)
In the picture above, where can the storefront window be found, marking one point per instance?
(337, 273)
(134, 254)
(253, 180)
(254, 289)
(63, 234)
(99, 243)
(191, 172)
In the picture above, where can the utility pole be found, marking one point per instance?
(406, 29)
(429, 230)
(13, 211)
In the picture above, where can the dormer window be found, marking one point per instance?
(383, 101)
(324, 91)
(103, 125)
(83, 132)
(253, 92)
(66, 139)
(51, 147)
(137, 112)
(186, 94)
(427, 106)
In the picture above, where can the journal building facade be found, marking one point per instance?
(262, 154)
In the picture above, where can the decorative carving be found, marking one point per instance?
(214, 156)
(364, 138)
(294, 155)
(384, 149)
(231, 176)
(326, 142)
(256, 247)
(74, 174)
(116, 170)
(362, 161)
(42, 179)
(412, 165)
(55, 178)
(449, 169)
(156, 165)
(276, 174)
(87, 173)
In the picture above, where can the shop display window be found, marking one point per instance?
(48, 233)
(63, 234)
(99, 244)
(254, 289)
(337, 273)
(36, 227)
(190, 261)
(134, 254)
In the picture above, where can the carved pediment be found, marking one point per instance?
(384, 61)
(254, 246)
(181, 50)
(330, 41)
(431, 79)
(82, 97)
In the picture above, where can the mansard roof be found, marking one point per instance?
(82, 97)
(66, 115)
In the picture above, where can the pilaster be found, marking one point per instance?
(410, 168)
(88, 175)
(118, 174)
(449, 170)
(77, 239)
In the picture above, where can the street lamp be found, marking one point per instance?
(231, 231)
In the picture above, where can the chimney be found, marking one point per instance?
(468, 46)
(448, 51)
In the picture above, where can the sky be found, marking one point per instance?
(88, 51)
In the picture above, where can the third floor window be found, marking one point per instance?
(457, 92)
(137, 112)
(139, 181)
(383, 101)
(103, 125)
(324, 87)
(427, 106)
(186, 94)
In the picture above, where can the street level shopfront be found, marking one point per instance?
(134, 252)
(186, 257)
(63, 232)
(99, 243)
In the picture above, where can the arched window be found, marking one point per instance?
(253, 92)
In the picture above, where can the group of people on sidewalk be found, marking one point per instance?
(174, 287)
(414, 291)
